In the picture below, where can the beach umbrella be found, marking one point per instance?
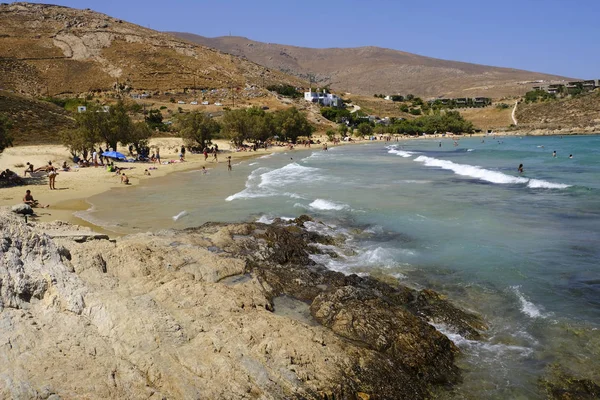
(114, 154)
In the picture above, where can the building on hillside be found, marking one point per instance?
(591, 84)
(482, 101)
(461, 101)
(555, 88)
(325, 99)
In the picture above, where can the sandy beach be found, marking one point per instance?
(75, 186)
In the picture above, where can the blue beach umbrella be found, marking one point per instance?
(114, 154)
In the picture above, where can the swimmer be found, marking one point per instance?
(554, 154)
(570, 155)
(520, 168)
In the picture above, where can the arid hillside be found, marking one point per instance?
(34, 121)
(571, 113)
(370, 70)
(49, 50)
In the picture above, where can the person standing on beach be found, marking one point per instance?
(183, 151)
(158, 155)
(52, 178)
(95, 158)
(215, 155)
(229, 163)
(205, 152)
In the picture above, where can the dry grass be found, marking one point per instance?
(582, 111)
(52, 50)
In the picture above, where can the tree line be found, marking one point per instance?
(115, 126)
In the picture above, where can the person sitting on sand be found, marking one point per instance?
(65, 167)
(28, 199)
(29, 169)
(11, 177)
(124, 179)
(146, 172)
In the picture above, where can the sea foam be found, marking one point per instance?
(487, 175)
(180, 215)
(527, 307)
(265, 182)
(320, 204)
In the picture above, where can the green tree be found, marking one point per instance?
(154, 119)
(330, 134)
(139, 136)
(249, 124)
(343, 129)
(5, 136)
(78, 141)
(291, 124)
(197, 128)
(364, 129)
(118, 127)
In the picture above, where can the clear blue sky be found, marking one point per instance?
(552, 36)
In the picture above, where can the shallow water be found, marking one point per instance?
(521, 249)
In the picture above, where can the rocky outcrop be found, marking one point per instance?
(198, 314)
(23, 209)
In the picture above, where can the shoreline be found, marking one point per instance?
(67, 201)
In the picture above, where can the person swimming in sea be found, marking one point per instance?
(570, 155)
(520, 168)
(554, 154)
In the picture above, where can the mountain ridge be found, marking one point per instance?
(47, 49)
(387, 71)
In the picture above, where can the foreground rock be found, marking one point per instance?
(198, 314)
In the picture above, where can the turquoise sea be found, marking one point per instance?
(523, 250)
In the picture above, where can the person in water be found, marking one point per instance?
(570, 155)
(520, 168)
(554, 153)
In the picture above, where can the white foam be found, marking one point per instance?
(527, 307)
(487, 175)
(251, 164)
(180, 215)
(481, 346)
(268, 155)
(401, 153)
(265, 219)
(469, 150)
(320, 204)
(265, 182)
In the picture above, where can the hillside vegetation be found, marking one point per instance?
(579, 112)
(370, 70)
(33, 121)
(49, 50)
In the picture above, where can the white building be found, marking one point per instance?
(326, 99)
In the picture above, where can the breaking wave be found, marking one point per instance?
(487, 175)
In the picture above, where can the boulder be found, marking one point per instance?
(23, 209)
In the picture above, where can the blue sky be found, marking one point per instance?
(552, 36)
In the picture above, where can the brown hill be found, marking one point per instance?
(578, 114)
(34, 121)
(370, 70)
(48, 49)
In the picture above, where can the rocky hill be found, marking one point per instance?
(218, 312)
(580, 114)
(48, 50)
(370, 70)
